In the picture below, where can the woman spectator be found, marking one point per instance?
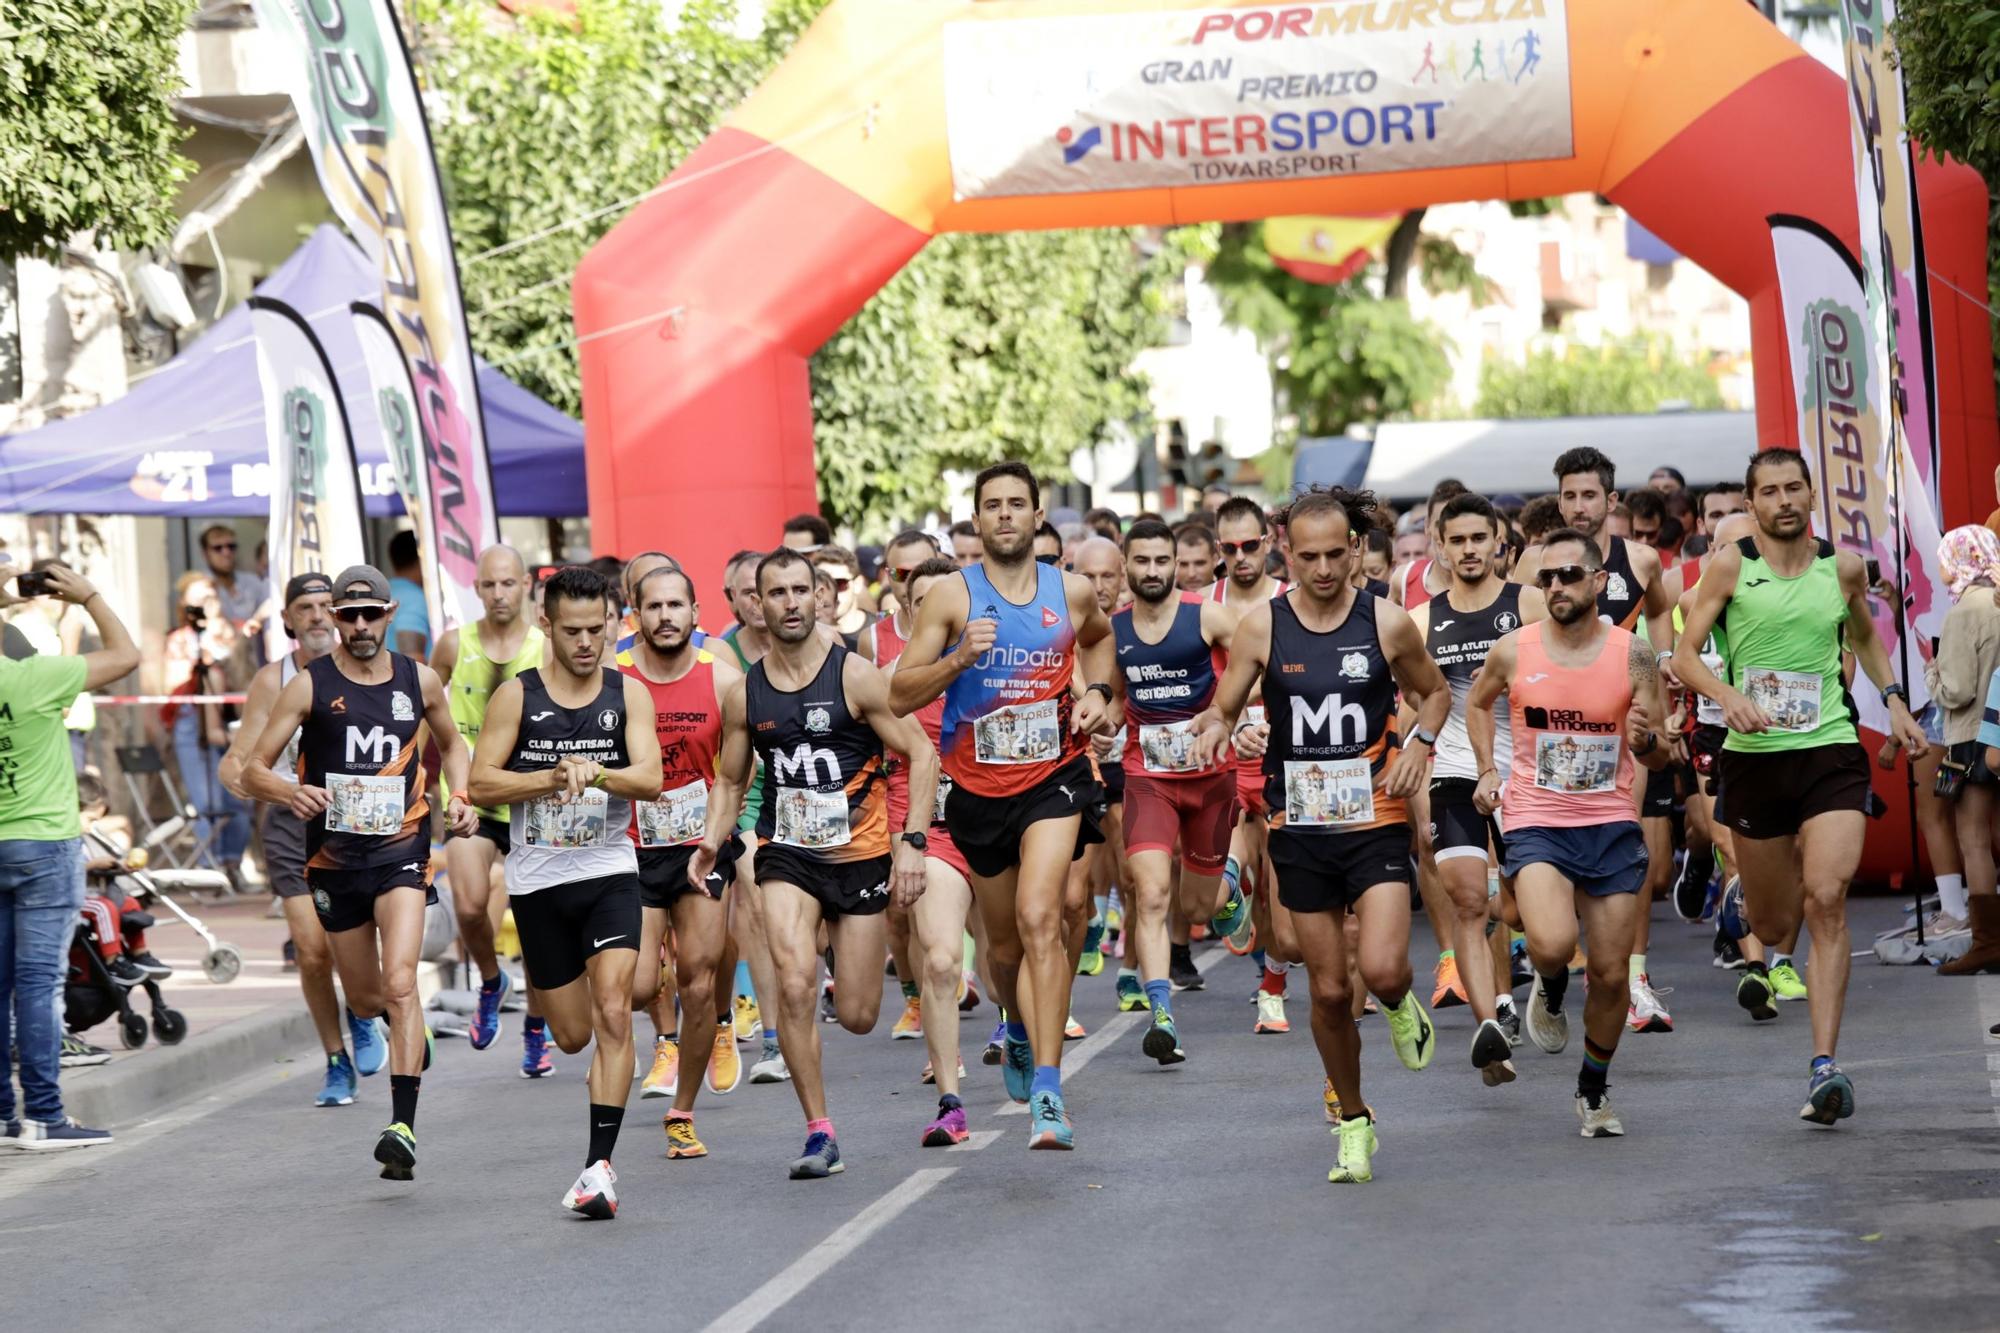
(198, 655)
(1968, 655)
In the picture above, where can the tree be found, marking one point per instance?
(1617, 379)
(87, 127)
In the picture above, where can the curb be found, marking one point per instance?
(141, 1086)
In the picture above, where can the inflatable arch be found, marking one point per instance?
(894, 120)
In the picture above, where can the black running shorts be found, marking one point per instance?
(988, 829)
(345, 899)
(1457, 827)
(1328, 872)
(842, 888)
(1658, 802)
(495, 832)
(1771, 794)
(564, 926)
(663, 872)
(285, 853)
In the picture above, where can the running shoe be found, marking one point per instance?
(396, 1150)
(1599, 1121)
(485, 1029)
(1829, 1096)
(771, 1069)
(1691, 886)
(430, 1049)
(1048, 1126)
(1073, 1030)
(370, 1039)
(1728, 956)
(993, 1054)
(1232, 924)
(1092, 961)
(535, 1062)
(1577, 961)
(1509, 1018)
(592, 1195)
(1548, 1029)
(1355, 1163)
(1787, 982)
(968, 993)
(1450, 990)
(1131, 995)
(821, 1159)
(1645, 1013)
(1017, 1068)
(1732, 918)
(681, 1141)
(1492, 1054)
(1163, 1040)
(749, 1021)
(1271, 1019)
(930, 1074)
(1411, 1033)
(338, 1090)
(725, 1066)
(948, 1128)
(1519, 970)
(1754, 994)
(910, 1027)
(1332, 1102)
(1181, 971)
(78, 1053)
(664, 1077)
(827, 1012)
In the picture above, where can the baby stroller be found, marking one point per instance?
(93, 992)
(222, 962)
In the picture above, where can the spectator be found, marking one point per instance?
(41, 867)
(1666, 480)
(1968, 656)
(966, 546)
(411, 628)
(54, 628)
(806, 532)
(1213, 497)
(242, 594)
(198, 655)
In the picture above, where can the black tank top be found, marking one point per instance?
(1458, 641)
(1331, 701)
(360, 742)
(822, 766)
(1620, 602)
(554, 842)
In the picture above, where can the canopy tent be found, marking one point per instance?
(188, 440)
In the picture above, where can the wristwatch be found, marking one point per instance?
(1099, 687)
(1429, 738)
(919, 841)
(1896, 691)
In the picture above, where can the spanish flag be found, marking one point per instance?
(1327, 250)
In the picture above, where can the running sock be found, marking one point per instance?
(1761, 969)
(681, 1115)
(950, 1102)
(1048, 1079)
(1016, 1031)
(1554, 988)
(1952, 896)
(1638, 965)
(819, 1127)
(490, 984)
(1503, 1004)
(1158, 995)
(1590, 1080)
(1447, 953)
(536, 1023)
(1274, 978)
(604, 1124)
(1779, 959)
(403, 1098)
(911, 990)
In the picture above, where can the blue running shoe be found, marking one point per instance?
(1730, 915)
(1232, 923)
(1829, 1096)
(371, 1044)
(822, 1159)
(535, 1062)
(1017, 1068)
(1162, 1040)
(338, 1090)
(1048, 1127)
(486, 1022)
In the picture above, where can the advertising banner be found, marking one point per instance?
(1151, 99)
(396, 408)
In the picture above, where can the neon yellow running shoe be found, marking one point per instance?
(1787, 982)
(749, 1021)
(1355, 1164)
(1411, 1033)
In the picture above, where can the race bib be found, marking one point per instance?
(810, 819)
(1707, 712)
(566, 825)
(1168, 748)
(1789, 698)
(369, 806)
(1021, 734)
(1328, 793)
(680, 816)
(943, 791)
(1575, 764)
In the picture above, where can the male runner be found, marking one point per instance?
(308, 618)
(818, 718)
(473, 661)
(1102, 562)
(1195, 556)
(1012, 741)
(1794, 777)
(1583, 701)
(1424, 576)
(1460, 625)
(1331, 659)
(1586, 484)
(361, 790)
(686, 685)
(567, 748)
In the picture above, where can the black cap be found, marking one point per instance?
(361, 585)
(305, 585)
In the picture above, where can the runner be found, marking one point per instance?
(567, 748)
(818, 719)
(1794, 777)
(473, 661)
(1103, 866)
(1583, 700)
(686, 685)
(1170, 649)
(1587, 485)
(1012, 740)
(361, 790)
(1460, 625)
(1331, 659)
(308, 618)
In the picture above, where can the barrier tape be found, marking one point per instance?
(114, 700)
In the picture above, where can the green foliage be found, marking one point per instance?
(1338, 355)
(1617, 379)
(87, 128)
(1447, 268)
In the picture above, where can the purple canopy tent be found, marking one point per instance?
(188, 440)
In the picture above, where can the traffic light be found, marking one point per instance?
(1209, 465)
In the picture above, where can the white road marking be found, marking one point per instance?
(977, 1139)
(802, 1272)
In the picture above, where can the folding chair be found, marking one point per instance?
(174, 837)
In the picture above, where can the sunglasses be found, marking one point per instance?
(1233, 549)
(1048, 559)
(360, 615)
(842, 585)
(902, 574)
(1565, 574)
(222, 546)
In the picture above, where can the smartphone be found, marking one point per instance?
(34, 584)
(1874, 571)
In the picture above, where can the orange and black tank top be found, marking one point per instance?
(822, 766)
(1331, 702)
(361, 743)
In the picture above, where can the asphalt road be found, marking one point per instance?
(1197, 1198)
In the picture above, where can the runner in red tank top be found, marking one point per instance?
(686, 685)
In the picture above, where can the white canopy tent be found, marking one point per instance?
(1514, 457)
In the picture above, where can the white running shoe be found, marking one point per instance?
(1646, 1013)
(771, 1069)
(1599, 1120)
(1548, 1031)
(592, 1195)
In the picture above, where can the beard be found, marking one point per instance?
(1568, 612)
(1153, 591)
(361, 648)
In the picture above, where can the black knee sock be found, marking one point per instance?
(604, 1124)
(403, 1098)
(1555, 988)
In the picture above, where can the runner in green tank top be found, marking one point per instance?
(1794, 778)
